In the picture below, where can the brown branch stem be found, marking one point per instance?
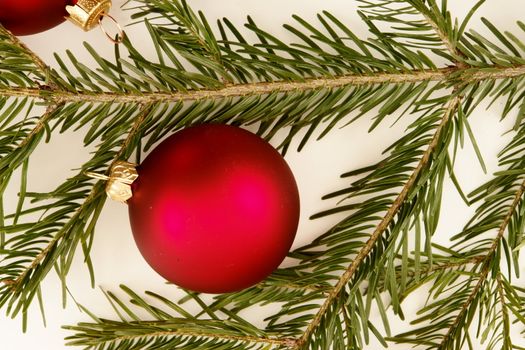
(308, 287)
(238, 90)
(232, 90)
(473, 260)
(448, 266)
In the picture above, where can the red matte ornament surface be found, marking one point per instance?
(215, 208)
(23, 17)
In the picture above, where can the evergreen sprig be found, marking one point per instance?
(485, 286)
(426, 64)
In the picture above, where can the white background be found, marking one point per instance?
(317, 168)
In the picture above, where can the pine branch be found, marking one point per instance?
(197, 336)
(193, 334)
(22, 146)
(15, 285)
(486, 267)
(166, 330)
(18, 63)
(418, 24)
(385, 222)
(452, 49)
(456, 298)
(507, 341)
(427, 271)
(438, 21)
(43, 68)
(37, 129)
(461, 76)
(238, 90)
(20, 284)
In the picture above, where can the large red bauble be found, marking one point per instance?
(215, 209)
(23, 17)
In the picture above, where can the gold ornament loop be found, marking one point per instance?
(120, 35)
(121, 175)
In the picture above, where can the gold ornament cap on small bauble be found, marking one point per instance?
(87, 13)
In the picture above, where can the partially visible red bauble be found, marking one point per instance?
(24, 17)
(215, 208)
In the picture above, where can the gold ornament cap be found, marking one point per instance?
(121, 175)
(87, 13)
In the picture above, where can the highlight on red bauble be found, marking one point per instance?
(215, 208)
